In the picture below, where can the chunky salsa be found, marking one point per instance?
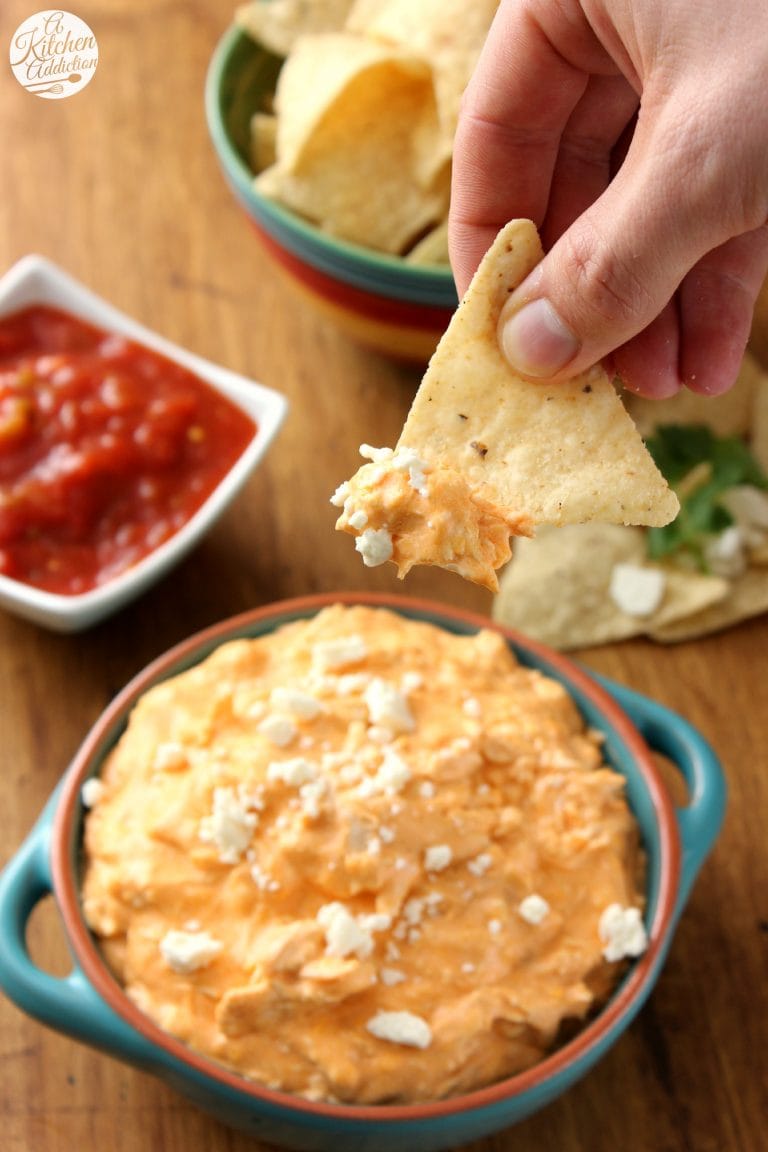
(106, 449)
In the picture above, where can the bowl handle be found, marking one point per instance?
(68, 1004)
(669, 734)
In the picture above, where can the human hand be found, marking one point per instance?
(635, 135)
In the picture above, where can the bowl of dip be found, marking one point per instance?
(617, 730)
(391, 303)
(118, 449)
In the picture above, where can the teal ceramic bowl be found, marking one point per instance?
(397, 308)
(89, 1005)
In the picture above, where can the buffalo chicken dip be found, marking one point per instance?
(362, 859)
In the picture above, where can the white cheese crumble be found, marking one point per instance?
(294, 772)
(406, 460)
(187, 952)
(480, 864)
(170, 756)
(426, 789)
(376, 455)
(330, 654)
(533, 908)
(622, 932)
(391, 776)
(298, 703)
(388, 707)
(375, 546)
(410, 682)
(358, 520)
(725, 554)
(635, 589)
(391, 976)
(344, 936)
(340, 495)
(279, 730)
(312, 795)
(494, 927)
(91, 792)
(401, 1028)
(230, 825)
(437, 857)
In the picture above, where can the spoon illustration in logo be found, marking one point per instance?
(54, 89)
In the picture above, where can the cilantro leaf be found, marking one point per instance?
(724, 462)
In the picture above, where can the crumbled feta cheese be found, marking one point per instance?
(329, 654)
(480, 864)
(376, 455)
(279, 730)
(410, 682)
(375, 546)
(386, 834)
(391, 776)
(374, 846)
(375, 922)
(406, 460)
(343, 934)
(387, 706)
(312, 795)
(187, 952)
(622, 932)
(533, 908)
(294, 772)
(340, 495)
(437, 857)
(378, 734)
(358, 520)
(297, 703)
(494, 927)
(391, 976)
(725, 554)
(351, 682)
(426, 789)
(230, 825)
(637, 590)
(401, 1028)
(91, 792)
(170, 756)
(413, 910)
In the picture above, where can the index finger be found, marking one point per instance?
(514, 110)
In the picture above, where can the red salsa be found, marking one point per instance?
(106, 449)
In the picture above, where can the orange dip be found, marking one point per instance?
(363, 860)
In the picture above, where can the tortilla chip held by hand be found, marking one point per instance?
(485, 454)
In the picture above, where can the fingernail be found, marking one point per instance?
(535, 340)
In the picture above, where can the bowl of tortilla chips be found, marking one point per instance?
(333, 125)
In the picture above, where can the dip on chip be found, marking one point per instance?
(485, 454)
(363, 859)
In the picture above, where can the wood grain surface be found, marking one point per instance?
(120, 186)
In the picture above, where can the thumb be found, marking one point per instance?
(616, 268)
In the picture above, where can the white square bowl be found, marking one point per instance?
(35, 280)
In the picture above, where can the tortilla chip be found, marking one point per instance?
(556, 589)
(448, 33)
(277, 24)
(759, 442)
(747, 597)
(432, 248)
(727, 415)
(553, 454)
(263, 140)
(354, 114)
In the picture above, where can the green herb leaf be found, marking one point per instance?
(677, 450)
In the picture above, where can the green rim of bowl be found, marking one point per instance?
(239, 71)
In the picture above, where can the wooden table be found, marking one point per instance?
(120, 186)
